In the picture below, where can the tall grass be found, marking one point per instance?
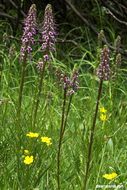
(109, 148)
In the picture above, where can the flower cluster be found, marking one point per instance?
(103, 71)
(48, 36)
(29, 32)
(46, 140)
(103, 115)
(110, 176)
(28, 159)
(48, 30)
(70, 84)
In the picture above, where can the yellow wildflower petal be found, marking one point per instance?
(103, 110)
(46, 140)
(114, 175)
(28, 160)
(32, 135)
(103, 117)
(110, 176)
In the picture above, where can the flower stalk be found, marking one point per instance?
(60, 138)
(38, 94)
(22, 84)
(26, 48)
(92, 135)
(103, 73)
(66, 116)
(70, 87)
(48, 45)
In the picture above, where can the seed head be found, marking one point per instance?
(117, 44)
(118, 59)
(101, 38)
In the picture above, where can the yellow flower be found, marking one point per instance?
(103, 110)
(28, 160)
(110, 176)
(26, 151)
(32, 135)
(47, 140)
(103, 117)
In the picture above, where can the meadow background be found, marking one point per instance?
(77, 47)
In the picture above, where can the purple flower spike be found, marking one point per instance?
(48, 35)
(75, 83)
(48, 30)
(70, 84)
(103, 71)
(29, 32)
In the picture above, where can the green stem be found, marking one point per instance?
(18, 118)
(92, 136)
(38, 95)
(66, 117)
(60, 139)
(21, 86)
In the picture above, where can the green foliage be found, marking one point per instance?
(109, 151)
